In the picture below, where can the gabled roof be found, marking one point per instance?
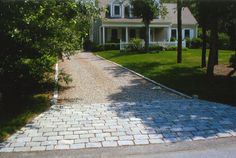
(171, 17)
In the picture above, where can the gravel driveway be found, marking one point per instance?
(97, 81)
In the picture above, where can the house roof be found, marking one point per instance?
(171, 17)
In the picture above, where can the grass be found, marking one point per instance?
(16, 113)
(187, 77)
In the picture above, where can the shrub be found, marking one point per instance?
(107, 46)
(224, 41)
(111, 46)
(196, 43)
(174, 48)
(171, 48)
(188, 42)
(172, 39)
(96, 48)
(232, 61)
(156, 48)
(135, 44)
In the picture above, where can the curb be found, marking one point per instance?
(55, 93)
(148, 79)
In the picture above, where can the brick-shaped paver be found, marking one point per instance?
(121, 124)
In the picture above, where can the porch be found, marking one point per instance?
(124, 34)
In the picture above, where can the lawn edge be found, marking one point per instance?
(146, 78)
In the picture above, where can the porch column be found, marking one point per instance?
(103, 35)
(169, 33)
(149, 30)
(126, 35)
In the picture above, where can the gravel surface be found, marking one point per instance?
(98, 81)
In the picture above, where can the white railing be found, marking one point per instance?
(167, 44)
(123, 45)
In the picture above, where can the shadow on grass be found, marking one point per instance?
(190, 80)
(15, 113)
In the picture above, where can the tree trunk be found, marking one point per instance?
(147, 37)
(213, 50)
(179, 18)
(217, 55)
(204, 44)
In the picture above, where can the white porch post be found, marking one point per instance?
(149, 31)
(169, 33)
(103, 35)
(126, 35)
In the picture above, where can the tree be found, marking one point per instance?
(220, 13)
(33, 34)
(202, 19)
(147, 10)
(179, 19)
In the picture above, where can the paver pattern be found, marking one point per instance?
(108, 106)
(120, 124)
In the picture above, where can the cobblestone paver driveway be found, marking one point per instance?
(90, 125)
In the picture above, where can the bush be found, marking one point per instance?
(232, 61)
(111, 46)
(172, 39)
(196, 43)
(156, 48)
(188, 42)
(174, 48)
(135, 44)
(107, 46)
(96, 48)
(171, 48)
(224, 41)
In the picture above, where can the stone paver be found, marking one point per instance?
(134, 112)
(124, 124)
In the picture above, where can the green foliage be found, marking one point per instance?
(232, 61)
(224, 41)
(111, 46)
(135, 44)
(172, 39)
(107, 46)
(188, 42)
(156, 48)
(33, 34)
(174, 48)
(196, 42)
(145, 9)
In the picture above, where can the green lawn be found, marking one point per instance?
(17, 112)
(187, 77)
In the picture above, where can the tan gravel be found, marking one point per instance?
(98, 81)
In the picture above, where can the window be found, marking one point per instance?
(187, 33)
(117, 10)
(127, 12)
(173, 33)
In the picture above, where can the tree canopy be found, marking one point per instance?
(34, 33)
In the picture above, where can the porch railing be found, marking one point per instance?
(123, 45)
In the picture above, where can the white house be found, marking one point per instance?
(119, 25)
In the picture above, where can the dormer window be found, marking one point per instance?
(116, 10)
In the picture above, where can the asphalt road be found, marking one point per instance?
(220, 148)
